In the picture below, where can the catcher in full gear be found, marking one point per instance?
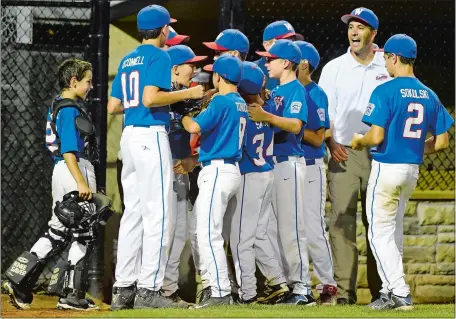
(70, 136)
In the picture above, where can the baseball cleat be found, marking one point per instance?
(204, 295)
(402, 303)
(146, 298)
(176, 298)
(382, 303)
(215, 301)
(328, 296)
(72, 302)
(19, 299)
(250, 301)
(302, 300)
(123, 298)
(273, 294)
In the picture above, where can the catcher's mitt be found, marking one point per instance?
(187, 107)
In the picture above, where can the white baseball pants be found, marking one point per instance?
(389, 189)
(218, 183)
(314, 214)
(287, 202)
(249, 239)
(147, 184)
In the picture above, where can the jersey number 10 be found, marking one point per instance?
(133, 80)
(414, 120)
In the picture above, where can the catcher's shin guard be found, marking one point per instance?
(25, 270)
(59, 280)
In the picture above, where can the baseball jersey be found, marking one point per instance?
(290, 100)
(317, 118)
(407, 110)
(70, 138)
(147, 65)
(258, 148)
(179, 138)
(270, 82)
(223, 126)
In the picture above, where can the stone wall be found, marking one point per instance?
(429, 249)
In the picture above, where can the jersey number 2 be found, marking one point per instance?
(414, 120)
(133, 80)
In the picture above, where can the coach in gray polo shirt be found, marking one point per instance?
(348, 82)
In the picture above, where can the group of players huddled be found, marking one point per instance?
(262, 184)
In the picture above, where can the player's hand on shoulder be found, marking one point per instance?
(338, 151)
(84, 191)
(355, 142)
(256, 113)
(196, 92)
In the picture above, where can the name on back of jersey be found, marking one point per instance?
(241, 107)
(418, 94)
(133, 61)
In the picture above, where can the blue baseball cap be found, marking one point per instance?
(152, 17)
(283, 49)
(309, 53)
(230, 40)
(402, 45)
(365, 15)
(280, 30)
(227, 66)
(182, 54)
(252, 78)
(174, 38)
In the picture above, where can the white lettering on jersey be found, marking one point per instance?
(321, 114)
(278, 100)
(133, 61)
(421, 94)
(295, 107)
(241, 107)
(369, 109)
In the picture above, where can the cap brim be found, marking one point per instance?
(197, 58)
(214, 46)
(286, 35)
(266, 54)
(171, 20)
(299, 37)
(209, 68)
(178, 39)
(347, 17)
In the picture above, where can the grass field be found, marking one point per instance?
(45, 307)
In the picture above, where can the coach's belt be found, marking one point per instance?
(314, 161)
(225, 161)
(282, 158)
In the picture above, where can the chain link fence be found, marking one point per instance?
(36, 36)
(430, 23)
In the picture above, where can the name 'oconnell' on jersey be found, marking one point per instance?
(259, 145)
(407, 110)
(223, 126)
(290, 101)
(144, 66)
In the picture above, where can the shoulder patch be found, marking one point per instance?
(295, 107)
(321, 114)
(369, 109)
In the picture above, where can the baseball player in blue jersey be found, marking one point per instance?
(222, 126)
(72, 171)
(274, 31)
(315, 194)
(289, 117)
(141, 90)
(249, 239)
(400, 113)
(230, 41)
(183, 61)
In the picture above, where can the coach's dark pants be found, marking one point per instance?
(345, 180)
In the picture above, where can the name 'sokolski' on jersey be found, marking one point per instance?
(407, 110)
(147, 65)
(318, 117)
(290, 100)
(70, 138)
(259, 145)
(223, 126)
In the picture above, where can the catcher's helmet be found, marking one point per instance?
(69, 211)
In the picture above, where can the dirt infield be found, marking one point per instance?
(44, 307)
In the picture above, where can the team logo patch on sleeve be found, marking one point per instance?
(295, 107)
(321, 114)
(369, 109)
